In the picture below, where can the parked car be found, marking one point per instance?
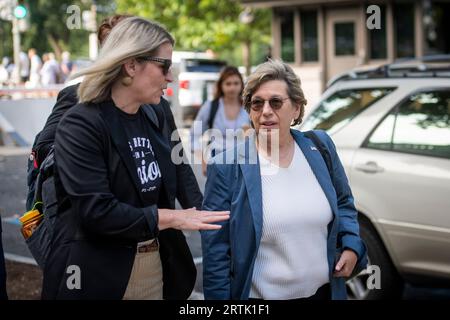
(391, 126)
(195, 75)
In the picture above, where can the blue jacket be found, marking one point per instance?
(234, 183)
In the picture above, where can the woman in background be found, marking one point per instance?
(224, 113)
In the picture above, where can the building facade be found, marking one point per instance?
(322, 38)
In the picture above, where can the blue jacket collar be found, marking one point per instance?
(249, 162)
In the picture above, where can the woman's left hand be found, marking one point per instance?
(346, 264)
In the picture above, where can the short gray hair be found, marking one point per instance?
(276, 70)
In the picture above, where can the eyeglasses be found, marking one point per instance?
(275, 103)
(166, 63)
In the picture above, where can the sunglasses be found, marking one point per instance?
(165, 63)
(275, 103)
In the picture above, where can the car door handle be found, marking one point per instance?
(369, 167)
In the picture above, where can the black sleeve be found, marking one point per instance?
(67, 98)
(80, 144)
(188, 191)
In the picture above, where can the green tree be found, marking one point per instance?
(6, 47)
(207, 24)
(48, 29)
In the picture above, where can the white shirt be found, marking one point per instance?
(49, 72)
(220, 123)
(24, 64)
(292, 258)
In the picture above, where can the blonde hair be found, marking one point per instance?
(130, 38)
(276, 70)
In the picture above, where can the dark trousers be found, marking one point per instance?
(323, 293)
(3, 295)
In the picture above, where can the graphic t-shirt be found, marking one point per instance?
(147, 168)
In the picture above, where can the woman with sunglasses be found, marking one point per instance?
(117, 234)
(293, 229)
(188, 192)
(223, 116)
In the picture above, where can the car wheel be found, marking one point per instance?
(391, 284)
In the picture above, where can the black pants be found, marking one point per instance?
(323, 293)
(3, 295)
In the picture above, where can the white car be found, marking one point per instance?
(391, 127)
(195, 76)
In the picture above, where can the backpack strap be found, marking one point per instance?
(154, 113)
(323, 151)
(213, 112)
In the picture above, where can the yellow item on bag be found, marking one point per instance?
(30, 221)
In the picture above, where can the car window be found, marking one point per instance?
(204, 65)
(341, 107)
(420, 125)
(381, 137)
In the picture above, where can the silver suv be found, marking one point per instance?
(391, 126)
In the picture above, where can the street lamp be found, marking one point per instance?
(10, 10)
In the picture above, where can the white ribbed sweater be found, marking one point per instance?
(292, 257)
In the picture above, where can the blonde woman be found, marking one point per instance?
(117, 235)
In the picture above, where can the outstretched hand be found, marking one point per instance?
(191, 219)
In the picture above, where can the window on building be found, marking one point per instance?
(344, 39)
(287, 36)
(404, 29)
(436, 20)
(377, 37)
(310, 49)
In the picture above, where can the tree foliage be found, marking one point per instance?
(205, 24)
(196, 24)
(48, 29)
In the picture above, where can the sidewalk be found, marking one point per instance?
(7, 151)
(23, 281)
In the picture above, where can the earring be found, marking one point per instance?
(126, 81)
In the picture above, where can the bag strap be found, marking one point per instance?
(213, 112)
(323, 151)
(155, 115)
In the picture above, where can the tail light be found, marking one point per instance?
(184, 84)
(169, 92)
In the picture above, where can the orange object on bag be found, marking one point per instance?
(30, 221)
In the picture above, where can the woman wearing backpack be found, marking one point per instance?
(290, 219)
(117, 235)
(223, 114)
(188, 192)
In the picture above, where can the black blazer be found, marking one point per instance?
(101, 214)
(187, 192)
